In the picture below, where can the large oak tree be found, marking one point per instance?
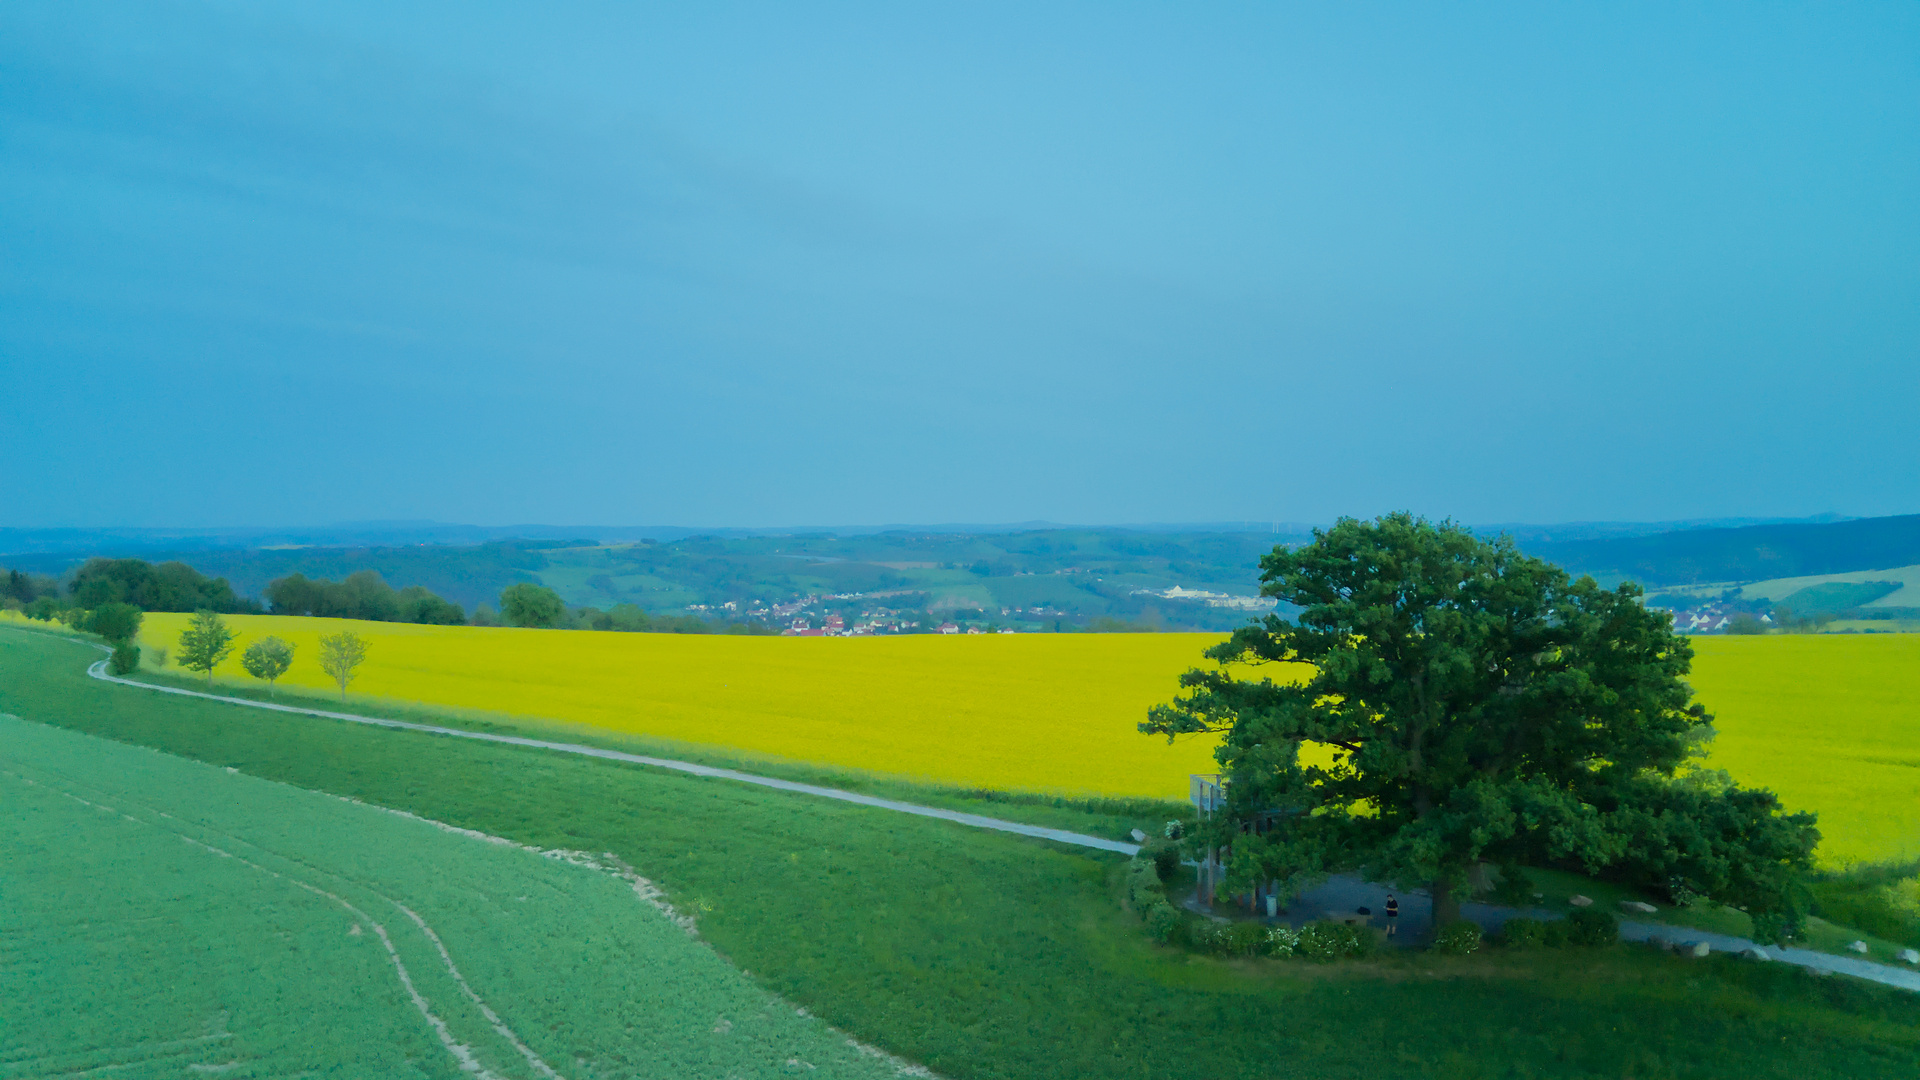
(1478, 705)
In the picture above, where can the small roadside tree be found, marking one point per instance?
(340, 654)
(267, 659)
(1465, 703)
(205, 642)
(527, 604)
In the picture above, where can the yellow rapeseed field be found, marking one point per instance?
(1830, 722)
(1034, 712)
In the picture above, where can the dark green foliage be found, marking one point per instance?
(993, 957)
(1457, 938)
(1523, 934)
(625, 617)
(1883, 900)
(45, 609)
(1514, 888)
(1166, 859)
(1162, 921)
(171, 586)
(1484, 706)
(125, 659)
(24, 589)
(362, 595)
(527, 604)
(1592, 927)
(1744, 623)
(113, 621)
(1243, 939)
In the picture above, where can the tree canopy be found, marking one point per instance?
(527, 604)
(267, 659)
(340, 655)
(115, 622)
(1459, 702)
(170, 586)
(205, 642)
(361, 595)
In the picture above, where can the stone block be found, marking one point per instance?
(1695, 949)
(1580, 901)
(1911, 956)
(1637, 907)
(1139, 837)
(1859, 947)
(1755, 954)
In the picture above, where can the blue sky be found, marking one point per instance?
(801, 263)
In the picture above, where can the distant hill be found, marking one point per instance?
(1754, 553)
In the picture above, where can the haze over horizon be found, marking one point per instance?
(744, 264)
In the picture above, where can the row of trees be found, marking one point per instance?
(207, 641)
(362, 595)
(1481, 707)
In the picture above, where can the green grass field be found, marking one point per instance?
(984, 955)
(167, 917)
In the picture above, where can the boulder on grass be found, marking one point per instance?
(1695, 949)
(1859, 947)
(1637, 907)
(1139, 837)
(1755, 953)
(1911, 956)
(1580, 901)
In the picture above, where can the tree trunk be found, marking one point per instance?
(1446, 906)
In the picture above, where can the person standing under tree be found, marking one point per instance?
(1393, 914)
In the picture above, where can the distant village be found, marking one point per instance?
(1709, 618)
(812, 616)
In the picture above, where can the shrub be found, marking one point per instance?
(1553, 933)
(1524, 934)
(1166, 861)
(1162, 921)
(1282, 940)
(125, 660)
(1244, 939)
(1206, 935)
(1143, 886)
(1457, 938)
(1592, 927)
(1328, 941)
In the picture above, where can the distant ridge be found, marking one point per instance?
(1752, 553)
(129, 541)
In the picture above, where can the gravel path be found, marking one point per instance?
(99, 671)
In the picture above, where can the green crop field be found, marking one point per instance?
(978, 954)
(167, 917)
